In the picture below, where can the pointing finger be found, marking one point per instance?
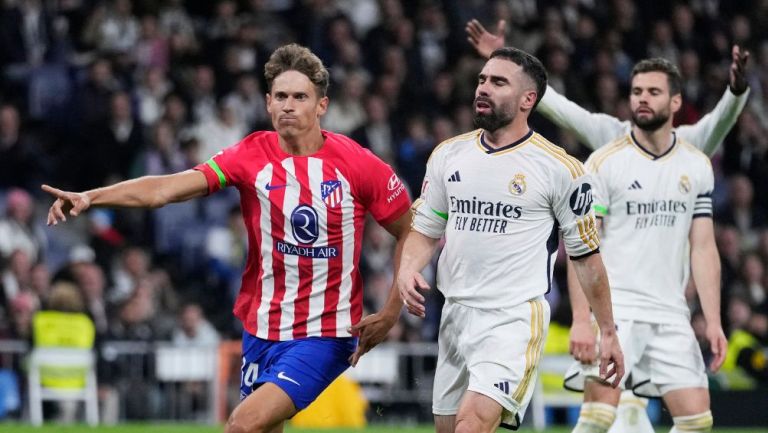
(51, 190)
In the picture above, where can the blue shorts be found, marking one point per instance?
(302, 368)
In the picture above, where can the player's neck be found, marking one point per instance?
(506, 135)
(302, 145)
(656, 142)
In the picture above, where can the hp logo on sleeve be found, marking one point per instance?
(304, 222)
(581, 199)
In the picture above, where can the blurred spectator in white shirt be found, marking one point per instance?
(193, 329)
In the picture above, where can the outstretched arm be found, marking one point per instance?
(592, 129)
(710, 130)
(147, 191)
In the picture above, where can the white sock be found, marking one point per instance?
(595, 418)
(699, 423)
(631, 416)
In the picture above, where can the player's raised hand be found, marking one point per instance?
(484, 41)
(738, 70)
(371, 331)
(409, 286)
(583, 342)
(611, 358)
(718, 345)
(72, 203)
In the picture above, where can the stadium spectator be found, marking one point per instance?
(750, 285)
(150, 94)
(18, 228)
(164, 155)
(377, 133)
(151, 50)
(226, 249)
(742, 212)
(116, 143)
(202, 93)
(16, 279)
(193, 329)
(112, 28)
(133, 266)
(63, 311)
(92, 283)
(347, 113)
(247, 102)
(21, 157)
(218, 132)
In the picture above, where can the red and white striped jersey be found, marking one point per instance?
(305, 217)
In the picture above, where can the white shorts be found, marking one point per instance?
(658, 358)
(494, 352)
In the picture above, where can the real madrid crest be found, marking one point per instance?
(684, 185)
(517, 184)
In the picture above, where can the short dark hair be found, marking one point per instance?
(657, 64)
(531, 65)
(294, 57)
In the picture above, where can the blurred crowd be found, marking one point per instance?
(93, 92)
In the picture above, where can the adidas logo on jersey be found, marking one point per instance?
(635, 185)
(455, 177)
(502, 386)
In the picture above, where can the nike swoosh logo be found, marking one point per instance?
(282, 376)
(271, 187)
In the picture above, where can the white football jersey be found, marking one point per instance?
(648, 204)
(500, 211)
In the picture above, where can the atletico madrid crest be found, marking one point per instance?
(331, 192)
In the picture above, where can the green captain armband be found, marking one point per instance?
(600, 209)
(442, 215)
(220, 174)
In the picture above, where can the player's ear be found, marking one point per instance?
(528, 100)
(676, 102)
(322, 106)
(269, 101)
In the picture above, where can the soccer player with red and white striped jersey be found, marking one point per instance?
(304, 194)
(305, 218)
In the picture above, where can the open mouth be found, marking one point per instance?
(482, 105)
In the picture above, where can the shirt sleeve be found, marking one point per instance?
(710, 130)
(703, 205)
(572, 204)
(221, 169)
(601, 194)
(592, 129)
(384, 194)
(430, 211)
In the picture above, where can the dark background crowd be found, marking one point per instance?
(94, 92)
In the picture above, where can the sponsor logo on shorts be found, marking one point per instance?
(282, 376)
